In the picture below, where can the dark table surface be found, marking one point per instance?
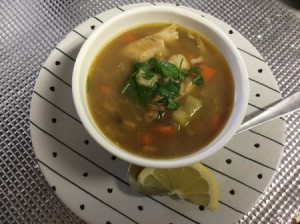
(30, 29)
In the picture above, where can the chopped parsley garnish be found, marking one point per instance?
(148, 75)
(198, 80)
(196, 72)
(158, 82)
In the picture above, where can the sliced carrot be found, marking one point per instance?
(207, 72)
(129, 38)
(146, 139)
(105, 90)
(166, 129)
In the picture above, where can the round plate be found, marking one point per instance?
(93, 183)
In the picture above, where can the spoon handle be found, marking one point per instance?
(285, 106)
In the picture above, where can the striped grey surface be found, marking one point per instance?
(29, 30)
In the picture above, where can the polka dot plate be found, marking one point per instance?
(93, 183)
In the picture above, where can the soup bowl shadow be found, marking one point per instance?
(160, 14)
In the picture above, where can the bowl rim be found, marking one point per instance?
(104, 141)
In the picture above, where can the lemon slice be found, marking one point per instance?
(192, 183)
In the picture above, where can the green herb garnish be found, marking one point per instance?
(158, 82)
(195, 71)
(198, 80)
(148, 75)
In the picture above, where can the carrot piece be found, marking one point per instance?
(166, 129)
(207, 72)
(146, 139)
(129, 38)
(105, 90)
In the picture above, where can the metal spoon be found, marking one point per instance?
(283, 107)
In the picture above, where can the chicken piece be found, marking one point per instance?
(152, 45)
(186, 87)
(146, 82)
(168, 34)
(197, 60)
(199, 42)
(201, 45)
(180, 61)
(145, 48)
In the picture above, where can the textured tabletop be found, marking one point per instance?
(30, 29)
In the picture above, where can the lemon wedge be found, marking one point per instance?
(193, 183)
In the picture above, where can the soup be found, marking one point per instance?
(160, 91)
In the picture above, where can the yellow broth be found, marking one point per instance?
(123, 121)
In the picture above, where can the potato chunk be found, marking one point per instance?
(180, 117)
(187, 110)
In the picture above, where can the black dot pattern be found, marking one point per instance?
(57, 62)
(140, 208)
(53, 188)
(113, 158)
(232, 192)
(85, 174)
(260, 176)
(230, 32)
(256, 145)
(82, 206)
(86, 142)
(92, 27)
(228, 161)
(52, 88)
(201, 208)
(54, 154)
(260, 70)
(109, 190)
(53, 120)
(108, 222)
(257, 95)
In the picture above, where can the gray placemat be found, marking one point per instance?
(29, 30)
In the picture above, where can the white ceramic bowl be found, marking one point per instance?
(156, 14)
